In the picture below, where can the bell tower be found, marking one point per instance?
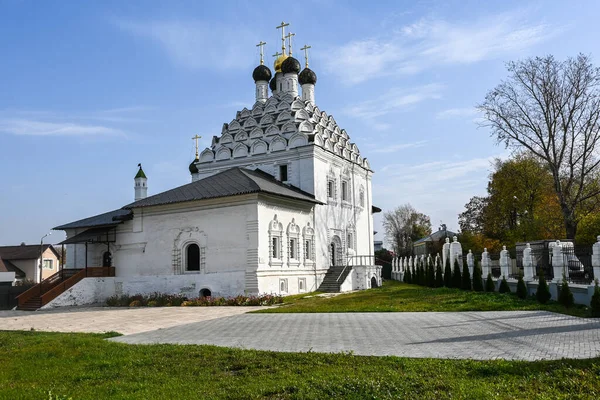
(141, 184)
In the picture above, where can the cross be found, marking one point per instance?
(261, 44)
(277, 54)
(196, 139)
(289, 37)
(282, 27)
(305, 48)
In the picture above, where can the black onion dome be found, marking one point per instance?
(273, 83)
(193, 168)
(290, 66)
(307, 76)
(261, 73)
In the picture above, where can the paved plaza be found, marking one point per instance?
(513, 335)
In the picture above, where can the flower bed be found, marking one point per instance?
(173, 300)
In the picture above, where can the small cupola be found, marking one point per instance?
(261, 75)
(141, 184)
(307, 79)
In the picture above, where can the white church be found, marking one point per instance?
(281, 202)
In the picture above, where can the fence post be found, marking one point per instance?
(504, 262)
(470, 262)
(596, 258)
(485, 263)
(527, 263)
(557, 261)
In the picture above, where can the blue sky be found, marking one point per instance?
(89, 90)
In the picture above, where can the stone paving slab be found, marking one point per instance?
(519, 335)
(117, 319)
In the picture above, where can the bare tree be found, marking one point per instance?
(552, 109)
(403, 226)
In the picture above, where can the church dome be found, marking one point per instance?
(193, 167)
(290, 66)
(307, 76)
(273, 83)
(261, 73)
(279, 61)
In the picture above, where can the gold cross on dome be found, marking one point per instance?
(260, 45)
(282, 27)
(196, 139)
(277, 54)
(305, 48)
(289, 37)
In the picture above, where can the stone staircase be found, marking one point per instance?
(334, 278)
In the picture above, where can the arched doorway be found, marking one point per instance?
(193, 257)
(205, 292)
(374, 283)
(335, 251)
(107, 259)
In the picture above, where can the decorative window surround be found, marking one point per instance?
(301, 285)
(308, 235)
(275, 242)
(293, 237)
(283, 285)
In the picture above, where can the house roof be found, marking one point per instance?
(110, 218)
(7, 266)
(24, 252)
(435, 236)
(232, 182)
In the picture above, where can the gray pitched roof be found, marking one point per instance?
(24, 251)
(107, 219)
(435, 236)
(7, 266)
(232, 182)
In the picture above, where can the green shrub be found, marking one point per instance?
(521, 288)
(447, 273)
(408, 276)
(456, 278)
(595, 303)
(153, 303)
(490, 286)
(439, 276)
(477, 281)
(135, 303)
(565, 296)
(466, 278)
(543, 291)
(504, 288)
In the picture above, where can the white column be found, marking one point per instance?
(470, 262)
(596, 258)
(528, 267)
(262, 91)
(308, 93)
(504, 262)
(557, 262)
(485, 263)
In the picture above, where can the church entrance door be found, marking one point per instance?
(335, 250)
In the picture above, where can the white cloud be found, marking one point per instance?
(430, 42)
(44, 128)
(395, 99)
(401, 146)
(198, 44)
(466, 112)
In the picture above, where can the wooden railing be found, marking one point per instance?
(52, 287)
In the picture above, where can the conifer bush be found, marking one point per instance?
(543, 294)
(490, 286)
(477, 280)
(456, 278)
(407, 276)
(439, 275)
(430, 274)
(521, 288)
(565, 296)
(595, 303)
(466, 278)
(447, 274)
(504, 288)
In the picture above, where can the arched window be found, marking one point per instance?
(193, 257)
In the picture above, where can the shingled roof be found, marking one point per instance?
(232, 182)
(23, 252)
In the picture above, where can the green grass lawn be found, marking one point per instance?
(398, 296)
(84, 366)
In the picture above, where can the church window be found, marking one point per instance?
(193, 257)
(275, 249)
(293, 248)
(330, 189)
(361, 197)
(283, 173)
(302, 284)
(307, 249)
(283, 285)
(350, 240)
(345, 191)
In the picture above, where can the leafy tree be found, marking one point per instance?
(588, 229)
(490, 286)
(439, 276)
(504, 288)
(466, 278)
(551, 108)
(477, 280)
(403, 226)
(543, 291)
(471, 220)
(595, 303)
(565, 296)
(456, 278)
(447, 274)
(521, 288)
